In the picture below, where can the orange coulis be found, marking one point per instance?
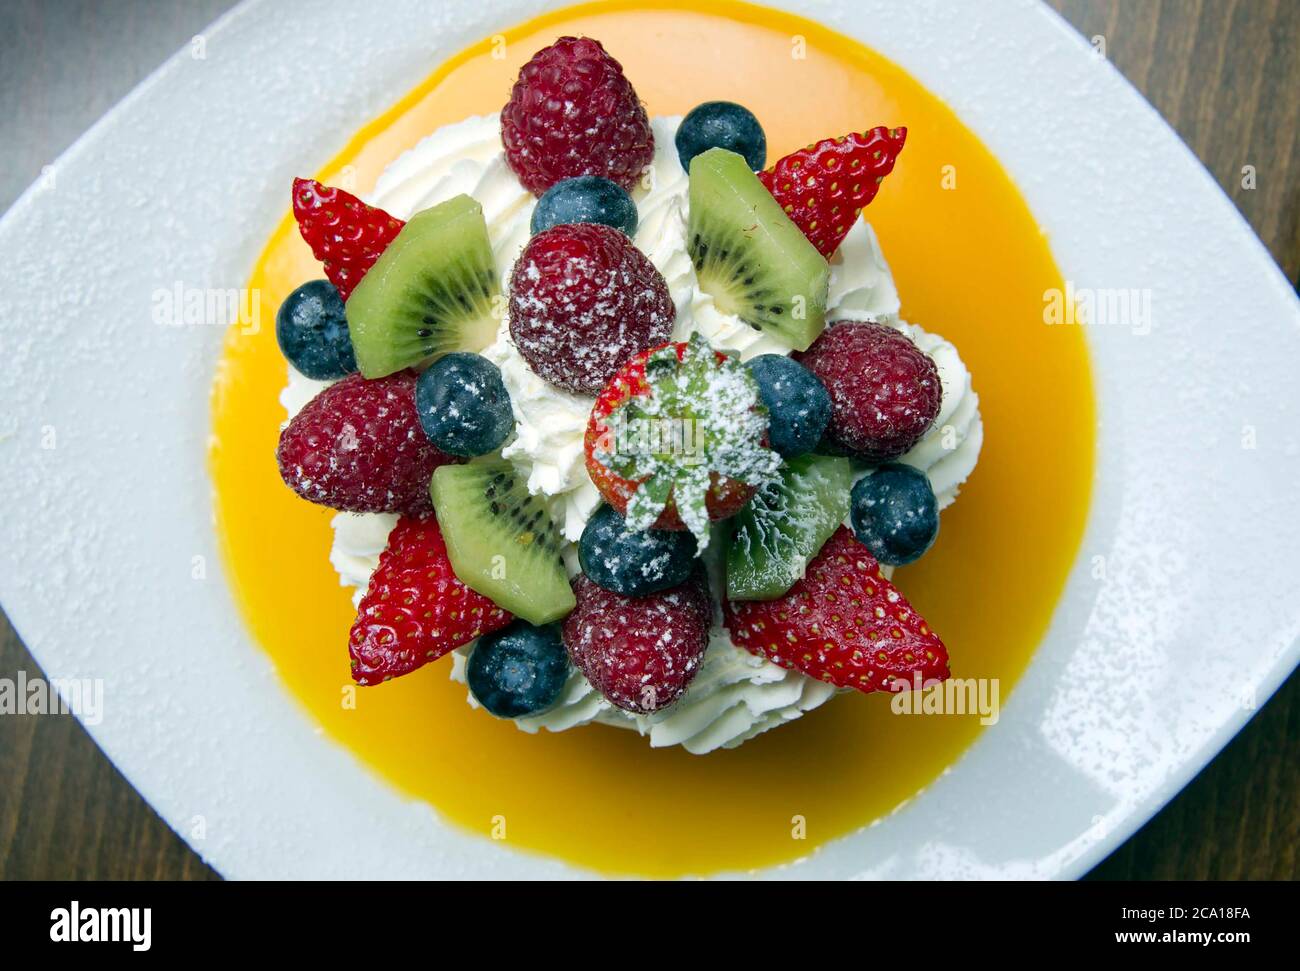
(970, 263)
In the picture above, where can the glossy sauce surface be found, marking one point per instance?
(970, 264)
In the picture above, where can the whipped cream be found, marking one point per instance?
(735, 696)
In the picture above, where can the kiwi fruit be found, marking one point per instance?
(785, 525)
(429, 293)
(500, 539)
(749, 256)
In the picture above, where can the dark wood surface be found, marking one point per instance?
(1225, 73)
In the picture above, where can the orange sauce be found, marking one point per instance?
(970, 263)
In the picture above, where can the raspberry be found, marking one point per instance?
(415, 610)
(823, 187)
(572, 112)
(583, 300)
(885, 391)
(843, 623)
(358, 447)
(639, 652)
(344, 233)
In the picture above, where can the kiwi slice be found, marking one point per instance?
(500, 539)
(785, 525)
(749, 256)
(429, 293)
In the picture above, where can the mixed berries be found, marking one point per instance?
(686, 444)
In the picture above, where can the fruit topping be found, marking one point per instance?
(783, 527)
(634, 562)
(572, 112)
(885, 391)
(518, 671)
(415, 610)
(583, 300)
(843, 623)
(639, 652)
(430, 293)
(721, 124)
(749, 256)
(312, 331)
(798, 405)
(501, 540)
(585, 199)
(895, 514)
(463, 405)
(823, 187)
(358, 447)
(344, 233)
(677, 439)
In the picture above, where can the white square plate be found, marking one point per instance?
(1141, 679)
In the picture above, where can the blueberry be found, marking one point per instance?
(585, 199)
(894, 513)
(518, 670)
(313, 332)
(633, 563)
(463, 405)
(721, 124)
(798, 405)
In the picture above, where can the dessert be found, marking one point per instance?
(701, 411)
(971, 262)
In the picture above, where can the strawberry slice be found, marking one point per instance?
(344, 233)
(415, 609)
(823, 187)
(843, 623)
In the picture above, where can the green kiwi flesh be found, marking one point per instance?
(500, 539)
(749, 256)
(429, 293)
(778, 532)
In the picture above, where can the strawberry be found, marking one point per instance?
(843, 623)
(824, 187)
(641, 653)
(415, 610)
(679, 439)
(583, 300)
(572, 112)
(358, 447)
(344, 233)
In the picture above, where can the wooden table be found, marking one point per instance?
(1225, 73)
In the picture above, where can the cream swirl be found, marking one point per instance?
(735, 696)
